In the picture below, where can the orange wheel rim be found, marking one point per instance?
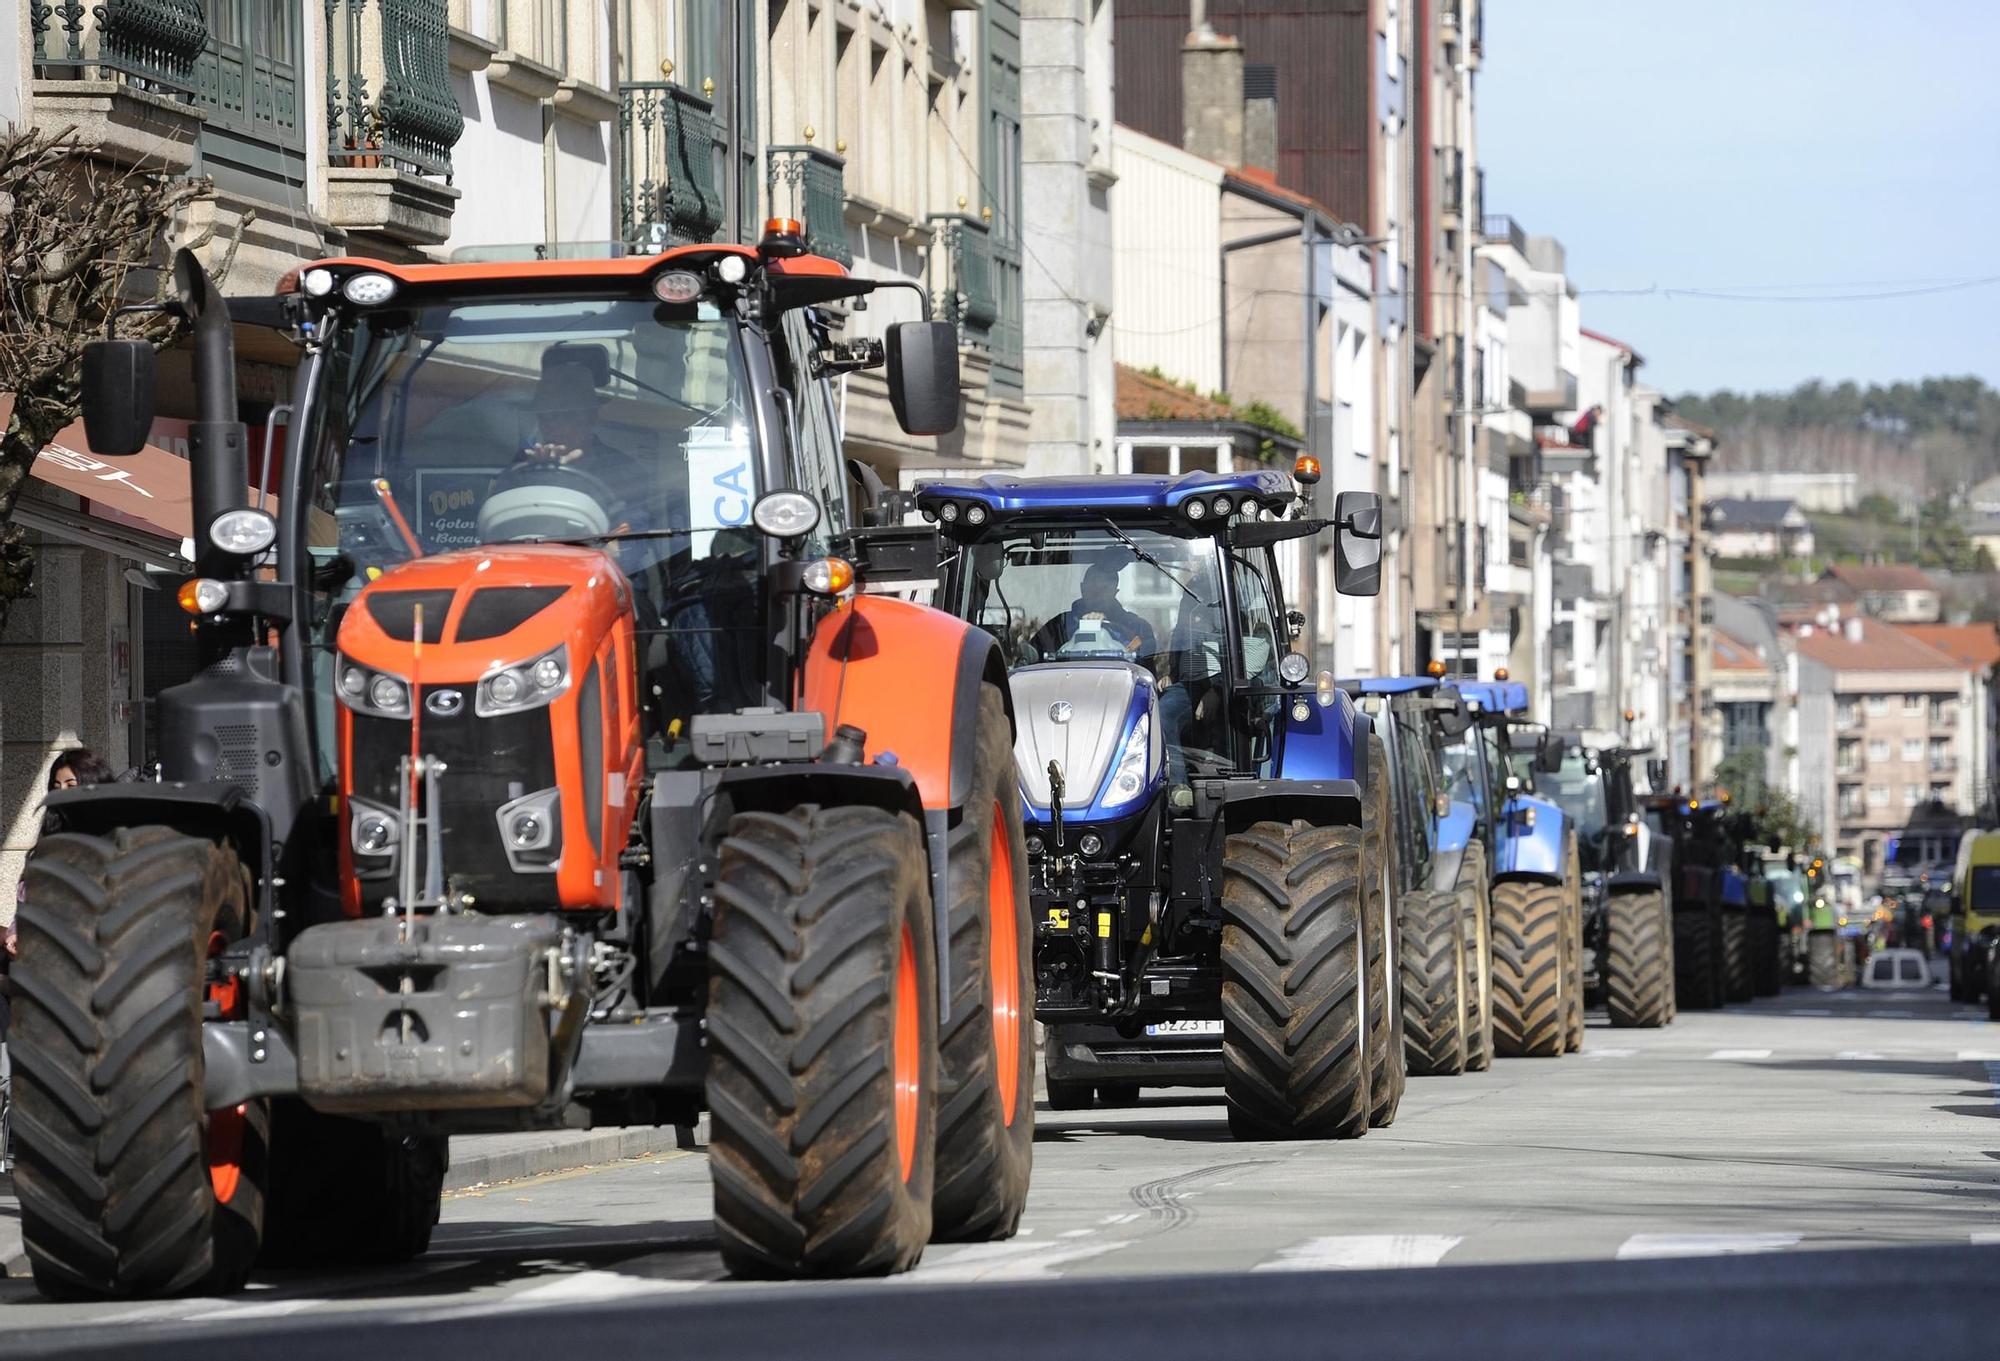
(1003, 954)
(905, 1054)
(225, 1150)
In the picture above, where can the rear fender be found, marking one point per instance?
(1322, 745)
(211, 810)
(1323, 803)
(1530, 852)
(1454, 834)
(909, 677)
(1633, 881)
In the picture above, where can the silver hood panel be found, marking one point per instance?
(1097, 695)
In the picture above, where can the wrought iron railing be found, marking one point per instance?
(1500, 227)
(810, 185)
(670, 190)
(962, 277)
(388, 85)
(150, 43)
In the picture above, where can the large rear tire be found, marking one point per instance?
(1294, 1003)
(1737, 983)
(347, 1192)
(986, 1054)
(1766, 974)
(1697, 983)
(1823, 960)
(1387, 1076)
(1528, 972)
(1434, 984)
(129, 1188)
(1667, 940)
(822, 1030)
(1475, 905)
(1638, 980)
(1572, 945)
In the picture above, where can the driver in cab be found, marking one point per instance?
(1098, 605)
(567, 410)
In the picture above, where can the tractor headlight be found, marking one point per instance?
(1128, 777)
(244, 532)
(373, 692)
(528, 685)
(1293, 668)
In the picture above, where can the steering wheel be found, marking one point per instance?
(549, 473)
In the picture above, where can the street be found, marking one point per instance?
(1808, 1122)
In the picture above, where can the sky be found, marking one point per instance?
(1803, 150)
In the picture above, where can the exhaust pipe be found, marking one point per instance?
(218, 457)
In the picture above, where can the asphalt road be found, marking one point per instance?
(1750, 1137)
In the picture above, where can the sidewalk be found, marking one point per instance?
(475, 1160)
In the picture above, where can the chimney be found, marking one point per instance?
(1854, 629)
(1260, 116)
(1212, 96)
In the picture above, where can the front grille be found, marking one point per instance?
(488, 762)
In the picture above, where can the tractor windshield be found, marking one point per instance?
(1091, 593)
(617, 422)
(1580, 792)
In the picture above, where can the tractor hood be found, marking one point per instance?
(1078, 714)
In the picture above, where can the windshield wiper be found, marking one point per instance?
(1153, 562)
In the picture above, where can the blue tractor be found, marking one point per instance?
(1443, 894)
(1208, 831)
(1537, 913)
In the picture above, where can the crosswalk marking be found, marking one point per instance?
(1644, 1245)
(1978, 1056)
(1985, 1238)
(1361, 1251)
(577, 1287)
(1595, 1053)
(1741, 1054)
(1011, 1261)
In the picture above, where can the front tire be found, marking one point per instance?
(348, 1192)
(1387, 1076)
(1638, 980)
(129, 1187)
(986, 1055)
(1737, 983)
(1434, 984)
(1475, 905)
(1696, 973)
(1294, 1018)
(822, 1028)
(1528, 969)
(1823, 960)
(1572, 946)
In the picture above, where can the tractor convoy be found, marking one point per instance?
(570, 750)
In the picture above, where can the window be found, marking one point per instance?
(1913, 704)
(1850, 800)
(1940, 754)
(1878, 796)
(1846, 715)
(1941, 710)
(1940, 792)
(247, 83)
(1912, 795)
(1849, 758)
(1878, 751)
(1913, 748)
(1877, 705)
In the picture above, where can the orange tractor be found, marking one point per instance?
(552, 765)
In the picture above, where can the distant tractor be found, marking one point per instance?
(1537, 909)
(1627, 917)
(1211, 853)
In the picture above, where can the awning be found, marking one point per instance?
(138, 506)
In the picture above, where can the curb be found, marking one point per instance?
(474, 1162)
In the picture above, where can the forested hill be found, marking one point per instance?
(1939, 435)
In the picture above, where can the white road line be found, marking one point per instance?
(1858, 1056)
(1985, 1238)
(1741, 1054)
(1702, 1244)
(1010, 1261)
(1119, 1219)
(1978, 1056)
(1361, 1251)
(1595, 1053)
(274, 1309)
(582, 1286)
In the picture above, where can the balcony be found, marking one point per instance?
(669, 192)
(962, 275)
(1452, 202)
(121, 76)
(1499, 229)
(1944, 717)
(810, 185)
(391, 120)
(1943, 765)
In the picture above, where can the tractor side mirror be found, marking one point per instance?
(1549, 757)
(119, 383)
(1656, 773)
(922, 358)
(1453, 723)
(1357, 543)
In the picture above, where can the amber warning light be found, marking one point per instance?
(783, 236)
(1306, 470)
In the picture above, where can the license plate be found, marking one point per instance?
(1185, 1028)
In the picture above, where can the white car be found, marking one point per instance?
(1897, 969)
